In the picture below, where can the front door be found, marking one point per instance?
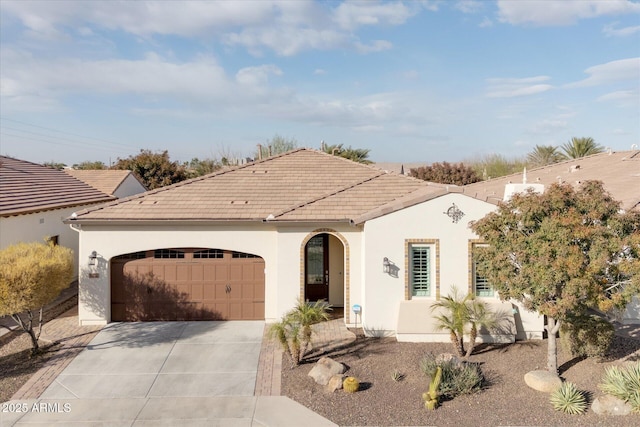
(317, 268)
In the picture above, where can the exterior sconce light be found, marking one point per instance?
(386, 265)
(93, 259)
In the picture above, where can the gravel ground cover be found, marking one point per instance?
(505, 401)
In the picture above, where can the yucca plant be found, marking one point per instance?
(623, 383)
(568, 399)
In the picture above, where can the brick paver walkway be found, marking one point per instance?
(327, 336)
(74, 338)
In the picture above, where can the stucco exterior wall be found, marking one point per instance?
(427, 223)
(36, 227)
(280, 248)
(129, 187)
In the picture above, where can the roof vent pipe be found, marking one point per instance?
(333, 152)
(259, 151)
(322, 145)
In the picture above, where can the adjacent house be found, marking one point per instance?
(34, 201)
(118, 183)
(248, 242)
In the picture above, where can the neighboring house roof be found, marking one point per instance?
(400, 167)
(301, 185)
(619, 171)
(105, 180)
(27, 187)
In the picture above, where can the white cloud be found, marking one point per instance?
(611, 72)
(566, 12)
(611, 30)
(623, 98)
(486, 22)
(285, 27)
(513, 87)
(257, 75)
(469, 6)
(548, 127)
(353, 14)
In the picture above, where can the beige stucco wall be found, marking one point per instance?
(280, 248)
(387, 236)
(36, 227)
(129, 187)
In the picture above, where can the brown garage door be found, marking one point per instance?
(187, 284)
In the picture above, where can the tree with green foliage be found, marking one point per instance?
(88, 165)
(581, 147)
(154, 169)
(561, 253)
(196, 167)
(359, 155)
(294, 331)
(31, 276)
(54, 165)
(543, 155)
(446, 173)
(276, 145)
(496, 165)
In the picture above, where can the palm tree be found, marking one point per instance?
(455, 319)
(359, 155)
(294, 331)
(543, 155)
(581, 147)
(461, 312)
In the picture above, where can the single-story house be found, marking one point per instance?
(118, 183)
(34, 201)
(248, 242)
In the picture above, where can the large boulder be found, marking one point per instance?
(610, 405)
(542, 381)
(324, 369)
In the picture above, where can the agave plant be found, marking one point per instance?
(568, 399)
(623, 383)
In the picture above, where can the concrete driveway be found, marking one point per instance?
(164, 373)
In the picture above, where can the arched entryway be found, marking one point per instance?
(324, 268)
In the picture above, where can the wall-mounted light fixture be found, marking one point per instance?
(93, 258)
(385, 265)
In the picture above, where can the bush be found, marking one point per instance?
(589, 336)
(569, 399)
(458, 378)
(623, 383)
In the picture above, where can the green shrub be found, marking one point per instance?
(569, 399)
(589, 336)
(623, 383)
(457, 378)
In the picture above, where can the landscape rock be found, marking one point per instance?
(324, 369)
(542, 381)
(335, 383)
(610, 405)
(448, 357)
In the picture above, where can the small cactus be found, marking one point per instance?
(351, 384)
(431, 397)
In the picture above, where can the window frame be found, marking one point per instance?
(486, 291)
(434, 267)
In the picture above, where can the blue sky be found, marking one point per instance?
(411, 81)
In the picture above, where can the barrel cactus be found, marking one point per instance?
(351, 384)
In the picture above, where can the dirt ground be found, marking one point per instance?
(506, 399)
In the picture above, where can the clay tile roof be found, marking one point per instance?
(619, 171)
(106, 180)
(301, 185)
(27, 187)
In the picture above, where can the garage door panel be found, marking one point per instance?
(187, 288)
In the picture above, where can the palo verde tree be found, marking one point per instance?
(154, 169)
(31, 276)
(560, 253)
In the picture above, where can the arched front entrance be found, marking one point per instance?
(324, 268)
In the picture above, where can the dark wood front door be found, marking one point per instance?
(316, 275)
